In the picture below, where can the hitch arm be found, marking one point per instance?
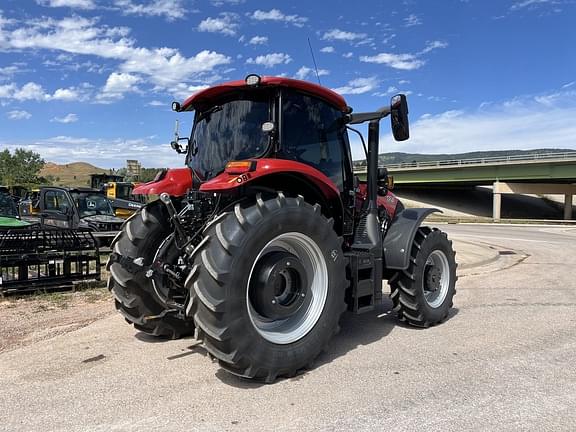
(180, 232)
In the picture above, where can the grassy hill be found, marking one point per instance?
(398, 157)
(72, 174)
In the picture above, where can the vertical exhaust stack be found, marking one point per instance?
(372, 225)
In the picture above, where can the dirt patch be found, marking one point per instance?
(29, 319)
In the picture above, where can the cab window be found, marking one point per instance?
(56, 200)
(311, 133)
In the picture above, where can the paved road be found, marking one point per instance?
(505, 360)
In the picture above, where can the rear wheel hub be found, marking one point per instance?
(279, 285)
(287, 288)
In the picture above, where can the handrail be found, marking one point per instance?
(481, 161)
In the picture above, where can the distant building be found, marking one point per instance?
(133, 169)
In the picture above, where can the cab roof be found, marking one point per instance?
(203, 97)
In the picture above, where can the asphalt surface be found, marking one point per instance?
(505, 360)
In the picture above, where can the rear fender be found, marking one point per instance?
(175, 182)
(265, 167)
(400, 236)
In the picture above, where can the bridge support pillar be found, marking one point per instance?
(568, 206)
(496, 203)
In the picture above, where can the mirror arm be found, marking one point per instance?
(368, 116)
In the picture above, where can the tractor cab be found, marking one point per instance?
(267, 118)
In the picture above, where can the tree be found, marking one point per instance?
(148, 174)
(20, 168)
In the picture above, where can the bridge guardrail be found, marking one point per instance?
(485, 160)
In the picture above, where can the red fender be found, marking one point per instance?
(175, 182)
(263, 167)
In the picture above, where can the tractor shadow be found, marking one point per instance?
(359, 330)
(356, 330)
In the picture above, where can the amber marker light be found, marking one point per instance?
(240, 167)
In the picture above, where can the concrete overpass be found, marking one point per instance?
(547, 173)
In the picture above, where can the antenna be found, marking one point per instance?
(314, 60)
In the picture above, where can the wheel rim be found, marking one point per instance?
(299, 299)
(436, 278)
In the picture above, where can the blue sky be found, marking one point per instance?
(92, 80)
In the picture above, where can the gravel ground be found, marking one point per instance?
(28, 319)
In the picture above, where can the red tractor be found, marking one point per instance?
(267, 237)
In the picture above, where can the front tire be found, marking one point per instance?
(422, 294)
(269, 284)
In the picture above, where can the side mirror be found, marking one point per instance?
(176, 143)
(399, 117)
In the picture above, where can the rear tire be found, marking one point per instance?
(253, 335)
(422, 294)
(141, 236)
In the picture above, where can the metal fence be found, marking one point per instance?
(485, 160)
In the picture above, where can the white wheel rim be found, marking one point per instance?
(435, 297)
(297, 326)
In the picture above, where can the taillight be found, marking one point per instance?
(240, 167)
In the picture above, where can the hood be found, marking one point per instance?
(102, 218)
(12, 222)
(101, 223)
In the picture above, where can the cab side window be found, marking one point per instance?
(56, 200)
(312, 134)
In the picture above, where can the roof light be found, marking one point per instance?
(252, 80)
(240, 167)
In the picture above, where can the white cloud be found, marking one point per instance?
(348, 54)
(117, 84)
(19, 115)
(277, 15)
(169, 9)
(305, 71)
(430, 46)
(412, 20)
(258, 40)
(513, 124)
(341, 35)
(29, 91)
(225, 24)
(106, 153)
(164, 67)
(531, 3)
(69, 118)
(404, 61)
(184, 91)
(65, 94)
(7, 90)
(270, 60)
(74, 4)
(358, 86)
(157, 103)
(327, 49)
(219, 3)
(396, 61)
(8, 71)
(34, 91)
(389, 91)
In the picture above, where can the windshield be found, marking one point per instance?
(7, 206)
(231, 131)
(91, 204)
